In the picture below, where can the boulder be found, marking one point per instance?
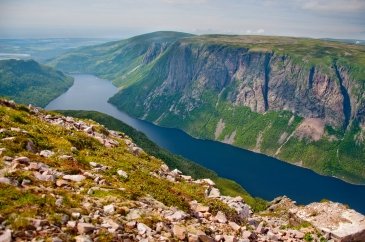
(109, 209)
(334, 219)
(143, 229)
(220, 217)
(6, 236)
(85, 228)
(214, 192)
(179, 232)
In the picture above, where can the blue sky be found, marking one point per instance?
(124, 18)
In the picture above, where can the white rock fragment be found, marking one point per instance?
(46, 153)
(122, 173)
(75, 178)
(109, 209)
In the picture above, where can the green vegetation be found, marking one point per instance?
(119, 61)
(19, 204)
(28, 82)
(227, 187)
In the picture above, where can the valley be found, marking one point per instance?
(300, 100)
(260, 175)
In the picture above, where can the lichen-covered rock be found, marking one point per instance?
(335, 220)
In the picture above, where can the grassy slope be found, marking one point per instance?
(118, 61)
(18, 204)
(227, 187)
(26, 82)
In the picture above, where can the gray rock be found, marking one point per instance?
(85, 228)
(71, 224)
(134, 214)
(65, 157)
(46, 153)
(246, 234)
(30, 146)
(214, 192)
(5, 180)
(56, 239)
(76, 215)
(234, 226)
(109, 209)
(75, 178)
(206, 238)
(44, 177)
(83, 238)
(143, 229)
(122, 173)
(26, 182)
(220, 217)
(59, 202)
(6, 236)
(260, 227)
(61, 183)
(136, 150)
(229, 238)
(94, 164)
(22, 160)
(179, 232)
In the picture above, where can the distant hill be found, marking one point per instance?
(26, 81)
(118, 60)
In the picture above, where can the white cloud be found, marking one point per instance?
(333, 5)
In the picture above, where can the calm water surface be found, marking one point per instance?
(260, 175)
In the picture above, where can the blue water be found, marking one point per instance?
(260, 175)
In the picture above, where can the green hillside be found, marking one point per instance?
(188, 167)
(28, 82)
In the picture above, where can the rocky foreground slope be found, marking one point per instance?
(64, 179)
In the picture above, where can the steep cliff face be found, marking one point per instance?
(262, 81)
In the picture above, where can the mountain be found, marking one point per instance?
(26, 81)
(68, 179)
(301, 100)
(118, 60)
